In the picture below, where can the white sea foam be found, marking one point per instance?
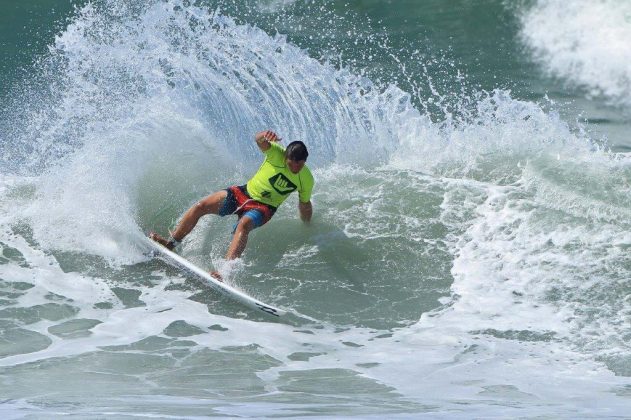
(533, 213)
(492, 229)
(586, 43)
(272, 6)
(436, 362)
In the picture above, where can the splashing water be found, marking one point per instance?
(485, 253)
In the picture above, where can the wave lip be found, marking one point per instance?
(584, 43)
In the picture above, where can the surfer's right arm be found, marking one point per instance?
(263, 139)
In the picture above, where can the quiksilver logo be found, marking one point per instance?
(282, 184)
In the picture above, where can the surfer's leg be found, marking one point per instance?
(208, 205)
(240, 237)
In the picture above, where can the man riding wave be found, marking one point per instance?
(283, 171)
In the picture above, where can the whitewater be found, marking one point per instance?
(468, 257)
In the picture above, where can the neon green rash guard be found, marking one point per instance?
(273, 182)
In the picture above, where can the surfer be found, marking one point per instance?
(283, 171)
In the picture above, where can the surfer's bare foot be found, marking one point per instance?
(161, 240)
(216, 275)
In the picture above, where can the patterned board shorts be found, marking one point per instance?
(239, 202)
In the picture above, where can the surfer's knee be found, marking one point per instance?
(245, 225)
(201, 207)
(210, 204)
(197, 210)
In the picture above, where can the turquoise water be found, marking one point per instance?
(469, 253)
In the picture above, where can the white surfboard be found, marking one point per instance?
(221, 287)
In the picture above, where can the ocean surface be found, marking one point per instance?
(470, 252)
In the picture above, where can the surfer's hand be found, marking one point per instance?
(267, 135)
(272, 136)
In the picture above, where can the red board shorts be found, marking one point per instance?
(239, 202)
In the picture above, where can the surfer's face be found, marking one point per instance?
(295, 165)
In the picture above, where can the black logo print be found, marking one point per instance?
(282, 184)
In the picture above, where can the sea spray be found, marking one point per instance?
(472, 263)
(589, 50)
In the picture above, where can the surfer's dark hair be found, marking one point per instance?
(296, 150)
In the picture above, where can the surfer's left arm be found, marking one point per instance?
(306, 211)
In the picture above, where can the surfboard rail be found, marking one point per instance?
(233, 293)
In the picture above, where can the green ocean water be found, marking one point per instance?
(469, 253)
(27, 29)
(472, 43)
